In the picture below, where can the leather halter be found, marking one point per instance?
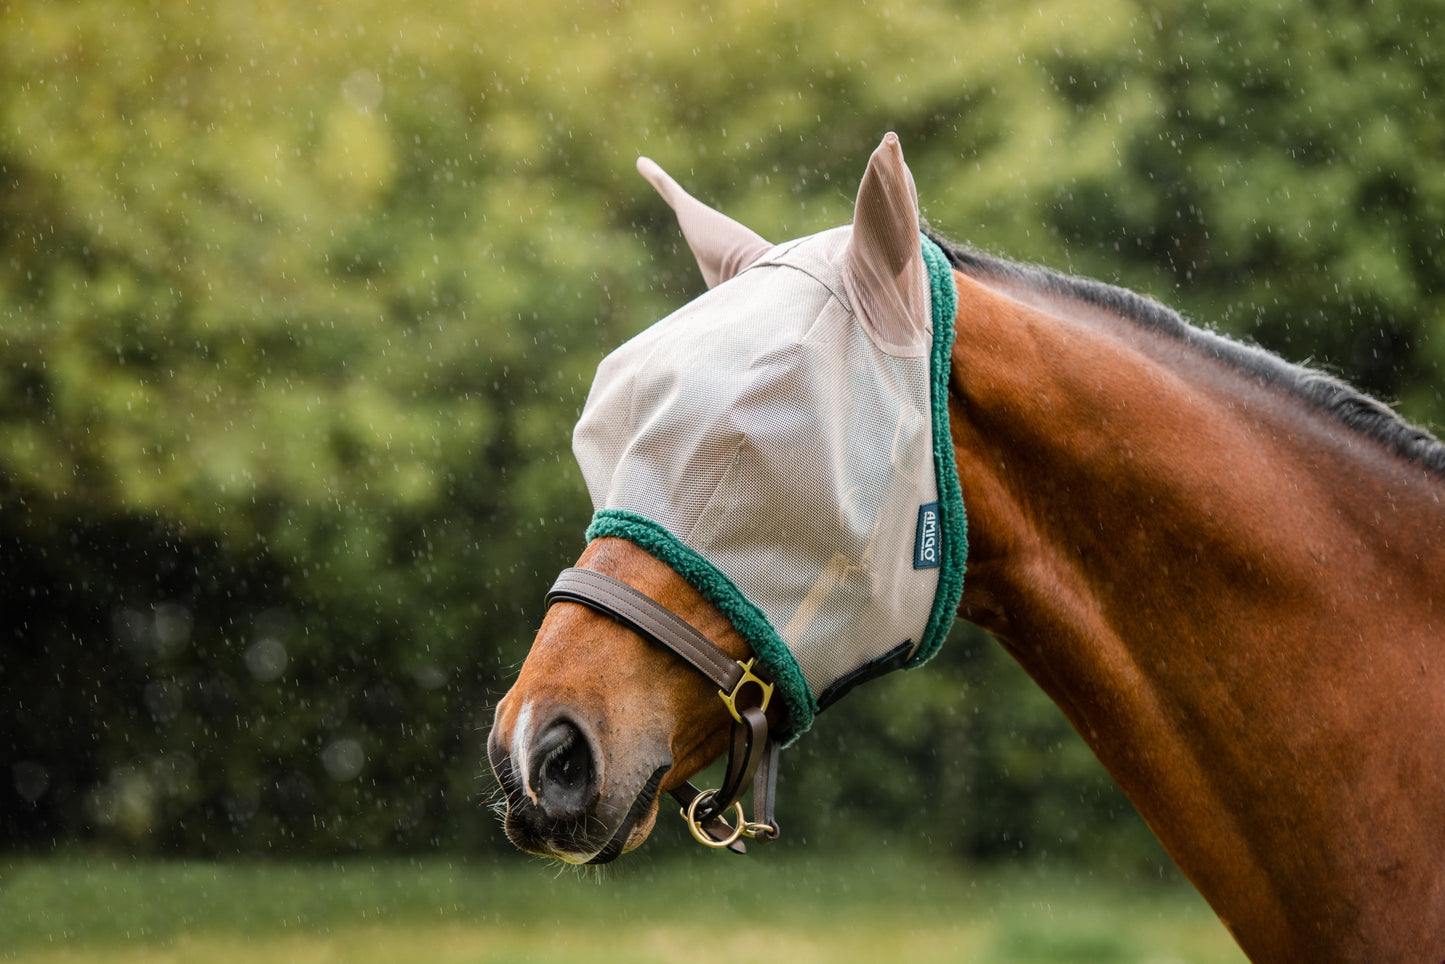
(753, 754)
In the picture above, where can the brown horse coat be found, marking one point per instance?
(1227, 571)
(1236, 599)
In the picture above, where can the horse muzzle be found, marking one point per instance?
(555, 804)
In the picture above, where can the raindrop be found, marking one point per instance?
(266, 659)
(362, 89)
(176, 773)
(131, 627)
(429, 677)
(172, 628)
(164, 699)
(127, 801)
(31, 780)
(343, 759)
(241, 804)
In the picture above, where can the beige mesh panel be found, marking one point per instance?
(762, 428)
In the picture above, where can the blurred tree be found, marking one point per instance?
(298, 305)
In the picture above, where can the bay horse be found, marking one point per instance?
(1228, 571)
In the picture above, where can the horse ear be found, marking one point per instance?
(722, 246)
(884, 273)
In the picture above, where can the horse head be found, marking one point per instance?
(769, 485)
(1224, 569)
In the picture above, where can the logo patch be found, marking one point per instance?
(926, 542)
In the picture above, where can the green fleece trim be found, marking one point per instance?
(723, 593)
(746, 617)
(954, 522)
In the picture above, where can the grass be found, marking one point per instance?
(791, 907)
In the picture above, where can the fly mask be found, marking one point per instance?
(782, 443)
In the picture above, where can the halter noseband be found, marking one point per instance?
(752, 755)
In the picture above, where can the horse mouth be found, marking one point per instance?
(529, 828)
(644, 806)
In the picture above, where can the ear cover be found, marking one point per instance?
(722, 246)
(884, 273)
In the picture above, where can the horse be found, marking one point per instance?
(1227, 570)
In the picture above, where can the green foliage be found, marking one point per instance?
(298, 304)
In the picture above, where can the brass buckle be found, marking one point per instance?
(731, 699)
(741, 828)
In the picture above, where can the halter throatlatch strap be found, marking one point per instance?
(752, 756)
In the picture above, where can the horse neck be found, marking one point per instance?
(1234, 599)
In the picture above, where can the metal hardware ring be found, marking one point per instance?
(701, 835)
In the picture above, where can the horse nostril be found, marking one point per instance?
(562, 771)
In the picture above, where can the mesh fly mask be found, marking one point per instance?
(782, 443)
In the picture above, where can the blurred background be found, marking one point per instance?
(299, 303)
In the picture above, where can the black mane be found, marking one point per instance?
(1354, 409)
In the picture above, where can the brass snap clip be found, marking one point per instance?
(731, 699)
(700, 833)
(740, 827)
